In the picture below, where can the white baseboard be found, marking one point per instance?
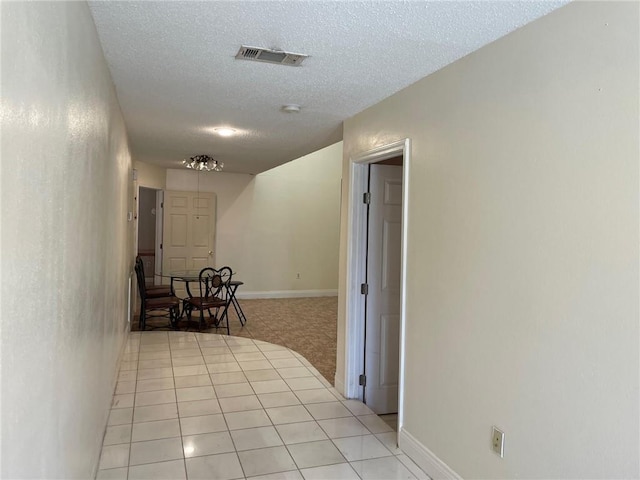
(425, 458)
(339, 385)
(114, 383)
(287, 294)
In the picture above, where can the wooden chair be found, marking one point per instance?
(151, 305)
(214, 294)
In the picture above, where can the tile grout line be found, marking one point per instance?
(134, 402)
(175, 390)
(224, 419)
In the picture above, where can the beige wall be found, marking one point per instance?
(522, 275)
(150, 176)
(274, 225)
(66, 255)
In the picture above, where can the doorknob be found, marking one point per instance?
(210, 252)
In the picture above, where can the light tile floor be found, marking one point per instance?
(205, 406)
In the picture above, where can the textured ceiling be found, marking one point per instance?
(176, 76)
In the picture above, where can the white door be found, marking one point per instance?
(382, 328)
(188, 232)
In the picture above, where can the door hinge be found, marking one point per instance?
(364, 289)
(161, 204)
(160, 246)
(362, 380)
(366, 198)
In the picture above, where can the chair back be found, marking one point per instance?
(213, 282)
(140, 277)
(140, 263)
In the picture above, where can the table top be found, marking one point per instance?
(183, 274)
(191, 276)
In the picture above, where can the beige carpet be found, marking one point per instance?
(306, 325)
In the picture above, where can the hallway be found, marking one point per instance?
(197, 405)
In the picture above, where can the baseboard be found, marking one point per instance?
(425, 458)
(287, 294)
(114, 383)
(339, 385)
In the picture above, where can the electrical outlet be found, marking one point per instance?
(497, 442)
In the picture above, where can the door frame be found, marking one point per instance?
(356, 265)
(158, 228)
(157, 280)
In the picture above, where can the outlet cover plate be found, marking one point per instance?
(497, 441)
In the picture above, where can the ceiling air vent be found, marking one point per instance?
(258, 54)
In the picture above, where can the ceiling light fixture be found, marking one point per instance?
(224, 131)
(203, 163)
(291, 108)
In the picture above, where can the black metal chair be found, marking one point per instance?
(151, 304)
(214, 294)
(153, 291)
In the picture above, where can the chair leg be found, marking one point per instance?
(173, 318)
(143, 320)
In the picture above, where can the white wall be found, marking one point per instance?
(522, 275)
(274, 225)
(65, 240)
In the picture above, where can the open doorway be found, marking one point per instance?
(150, 232)
(376, 279)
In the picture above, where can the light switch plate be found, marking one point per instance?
(497, 441)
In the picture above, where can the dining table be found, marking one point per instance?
(193, 276)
